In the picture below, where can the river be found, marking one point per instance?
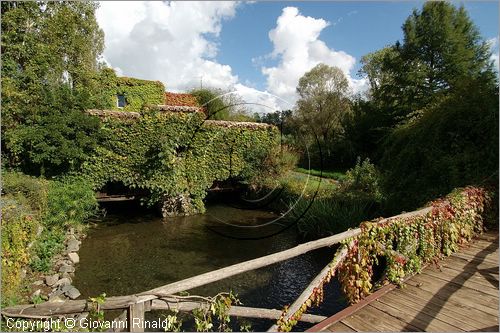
(133, 250)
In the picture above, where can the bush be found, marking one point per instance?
(49, 244)
(363, 180)
(28, 191)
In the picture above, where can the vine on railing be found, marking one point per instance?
(406, 243)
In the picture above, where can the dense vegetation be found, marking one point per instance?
(36, 213)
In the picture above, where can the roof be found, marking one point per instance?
(179, 99)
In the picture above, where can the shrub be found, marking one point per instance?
(28, 191)
(363, 180)
(49, 244)
(19, 229)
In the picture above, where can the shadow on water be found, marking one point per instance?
(132, 250)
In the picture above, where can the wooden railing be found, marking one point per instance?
(162, 298)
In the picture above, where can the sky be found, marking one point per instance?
(258, 50)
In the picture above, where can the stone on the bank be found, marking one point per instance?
(66, 269)
(56, 298)
(38, 283)
(50, 280)
(62, 282)
(72, 292)
(73, 245)
(36, 293)
(73, 256)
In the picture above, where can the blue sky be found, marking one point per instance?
(257, 49)
(357, 28)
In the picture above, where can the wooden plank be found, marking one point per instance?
(458, 264)
(468, 313)
(304, 296)
(423, 321)
(238, 311)
(490, 236)
(372, 319)
(351, 309)
(472, 281)
(136, 317)
(481, 301)
(425, 307)
(467, 256)
(340, 327)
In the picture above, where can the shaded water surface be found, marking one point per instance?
(133, 250)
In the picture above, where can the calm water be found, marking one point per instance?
(133, 250)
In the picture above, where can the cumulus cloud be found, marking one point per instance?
(172, 42)
(298, 47)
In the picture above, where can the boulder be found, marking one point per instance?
(62, 282)
(38, 283)
(72, 292)
(36, 293)
(50, 280)
(66, 269)
(73, 245)
(73, 256)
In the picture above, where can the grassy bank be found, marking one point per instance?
(36, 213)
(337, 175)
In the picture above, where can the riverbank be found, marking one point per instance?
(42, 227)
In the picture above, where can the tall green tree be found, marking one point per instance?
(322, 106)
(440, 50)
(50, 51)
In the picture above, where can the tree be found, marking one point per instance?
(441, 49)
(213, 101)
(322, 106)
(50, 52)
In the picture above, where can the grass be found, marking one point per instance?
(337, 175)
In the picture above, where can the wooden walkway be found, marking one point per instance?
(460, 295)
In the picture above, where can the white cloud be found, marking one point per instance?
(171, 42)
(298, 47)
(493, 43)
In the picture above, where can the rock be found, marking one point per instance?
(72, 292)
(73, 245)
(73, 256)
(38, 283)
(23, 273)
(55, 293)
(50, 280)
(66, 269)
(68, 275)
(56, 298)
(36, 293)
(62, 282)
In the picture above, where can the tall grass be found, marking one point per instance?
(329, 216)
(337, 175)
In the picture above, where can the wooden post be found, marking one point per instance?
(136, 317)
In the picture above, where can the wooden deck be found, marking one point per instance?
(460, 295)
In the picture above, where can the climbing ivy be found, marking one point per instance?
(138, 93)
(172, 154)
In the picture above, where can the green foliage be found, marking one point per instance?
(49, 55)
(56, 140)
(363, 180)
(321, 109)
(71, 202)
(47, 246)
(454, 143)
(138, 93)
(331, 215)
(19, 229)
(214, 103)
(28, 191)
(173, 154)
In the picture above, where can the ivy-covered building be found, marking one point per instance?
(130, 94)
